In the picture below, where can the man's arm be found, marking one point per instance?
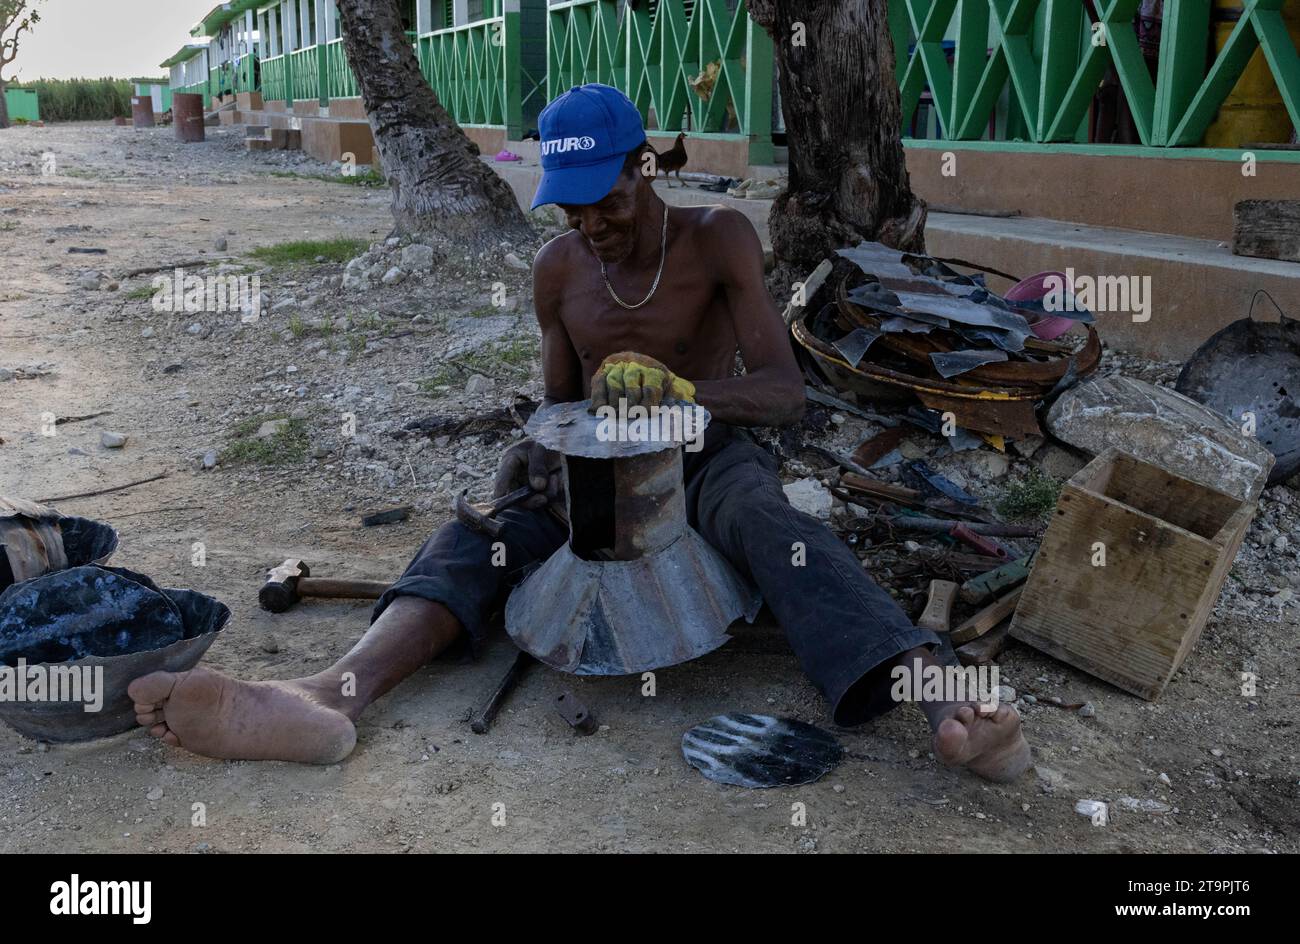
(770, 393)
(527, 460)
(561, 369)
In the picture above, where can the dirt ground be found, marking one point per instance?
(419, 780)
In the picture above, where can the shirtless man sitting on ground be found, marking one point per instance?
(646, 302)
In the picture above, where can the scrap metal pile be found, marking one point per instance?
(899, 326)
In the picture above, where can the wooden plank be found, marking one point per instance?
(1268, 229)
(988, 647)
(987, 618)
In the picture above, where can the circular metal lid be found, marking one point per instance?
(615, 434)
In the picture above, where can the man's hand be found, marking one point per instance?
(531, 463)
(642, 380)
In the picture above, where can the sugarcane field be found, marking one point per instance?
(651, 426)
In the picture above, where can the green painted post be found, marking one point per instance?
(1062, 29)
(322, 74)
(968, 64)
(1183, 37)
(512, 47)
(758, 91)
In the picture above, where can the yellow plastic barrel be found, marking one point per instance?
(1254, 111)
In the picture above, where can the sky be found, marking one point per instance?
(123, 39)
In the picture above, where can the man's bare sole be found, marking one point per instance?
(988, 745)
(210, 714)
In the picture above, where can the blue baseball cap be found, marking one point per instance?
(586, 134)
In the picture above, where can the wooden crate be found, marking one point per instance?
(1168, 544)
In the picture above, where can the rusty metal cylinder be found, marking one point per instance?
(187, 116)
(142, 111)
(649, 503)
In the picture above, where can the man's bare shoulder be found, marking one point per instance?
(552, 258)
(723, 233)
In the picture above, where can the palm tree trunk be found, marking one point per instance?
(441, 189)
(848, 174)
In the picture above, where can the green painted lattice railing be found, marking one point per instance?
(304, 68)
(1053, 85)
(474, 69)
(274, 86)
(653, 56)
(339, 82)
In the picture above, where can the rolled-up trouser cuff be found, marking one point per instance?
(861, 691)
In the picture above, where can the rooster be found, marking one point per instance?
(673, 159)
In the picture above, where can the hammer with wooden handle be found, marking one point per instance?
(483, 518)
(291, 581)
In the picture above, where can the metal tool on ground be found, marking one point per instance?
(481, 721)
(291, 581)
(980, 541)
(576, 714)
(482, 518)
(983, 588)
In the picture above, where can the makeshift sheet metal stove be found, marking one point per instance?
(635, 587)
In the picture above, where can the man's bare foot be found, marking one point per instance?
(211, 714)
(989, 745)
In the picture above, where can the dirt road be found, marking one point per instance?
(180, 386)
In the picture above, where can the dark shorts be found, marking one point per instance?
(844, 629)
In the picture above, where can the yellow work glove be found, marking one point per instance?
(641, 379)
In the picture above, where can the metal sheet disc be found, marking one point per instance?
(760, 751)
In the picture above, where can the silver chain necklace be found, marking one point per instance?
(663, 257)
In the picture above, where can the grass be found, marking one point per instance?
(511, 361)
(1034, 496)
(287, 446)
(305, 251)
(297, 327)
(144, 291)
(371, 178)
(81, 99)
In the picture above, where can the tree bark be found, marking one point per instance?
(440, 187)
(844, 124)
(4, 106)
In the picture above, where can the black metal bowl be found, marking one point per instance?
(86, 541)
(201, 618)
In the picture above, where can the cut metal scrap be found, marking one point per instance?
(910, 325)
(1004, 411)
(855, 344)
(964, 311)
(921, 475)
(955, 363)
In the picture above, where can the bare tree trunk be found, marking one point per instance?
(440, 187)
(4, 106)
(843, 120)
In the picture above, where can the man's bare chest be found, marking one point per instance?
(685, 316)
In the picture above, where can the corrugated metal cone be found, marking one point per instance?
(625, 617)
